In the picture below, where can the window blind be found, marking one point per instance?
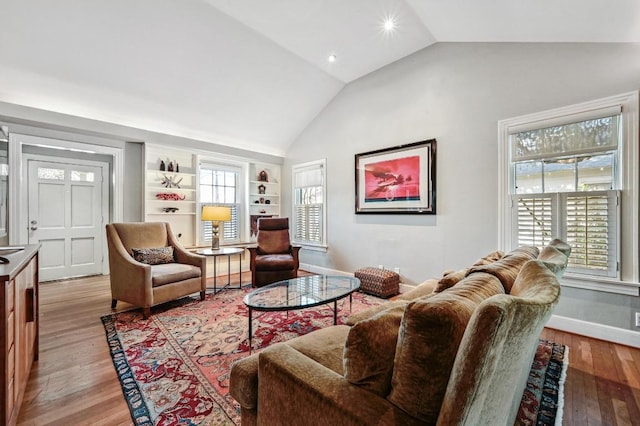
(572, 139)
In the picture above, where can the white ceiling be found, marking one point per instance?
(251, 73)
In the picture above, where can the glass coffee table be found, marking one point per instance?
(300, 293)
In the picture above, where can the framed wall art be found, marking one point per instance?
(399, 180)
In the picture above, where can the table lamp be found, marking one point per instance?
(215, 214)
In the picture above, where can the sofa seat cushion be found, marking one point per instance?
(168, 273)
(274, 262)
(324, 346)
(428, 341)
(370, 349)
(507, 268)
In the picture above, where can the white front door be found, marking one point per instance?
(66, 209)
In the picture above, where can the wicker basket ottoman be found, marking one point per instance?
(379, 282)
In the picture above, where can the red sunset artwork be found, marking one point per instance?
(393, 180)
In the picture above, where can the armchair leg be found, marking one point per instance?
(202, 295)
(146, 313)
(114, 302)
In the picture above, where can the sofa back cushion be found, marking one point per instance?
(370, 349)
(507, 268)
(429, 335)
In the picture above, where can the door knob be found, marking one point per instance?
(34, 225)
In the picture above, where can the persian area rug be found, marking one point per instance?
(174, 367)
(542, 400)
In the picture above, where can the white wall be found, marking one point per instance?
(455, 93)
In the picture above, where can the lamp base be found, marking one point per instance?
(215, 240)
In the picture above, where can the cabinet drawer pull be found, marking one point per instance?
(29, 308)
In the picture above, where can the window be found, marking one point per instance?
(566, 174)
(219, 185)
(309, 215)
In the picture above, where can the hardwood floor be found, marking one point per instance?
(74, 382)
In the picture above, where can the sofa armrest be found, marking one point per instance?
(243, 381)
(294, 389)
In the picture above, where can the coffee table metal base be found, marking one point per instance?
(335, 316)
(300, 293)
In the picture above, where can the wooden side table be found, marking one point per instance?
(223, 251)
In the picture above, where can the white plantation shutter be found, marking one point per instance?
(534, 220)
(309, 203)
(587, 221)
(591, 224)
(309, 223)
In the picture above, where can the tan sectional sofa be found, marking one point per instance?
(454, 351)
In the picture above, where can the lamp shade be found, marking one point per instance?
(216, 213)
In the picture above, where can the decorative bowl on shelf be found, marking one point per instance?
(170, 209)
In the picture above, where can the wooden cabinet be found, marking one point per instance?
(19, 338)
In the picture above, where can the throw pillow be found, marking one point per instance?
(423, 289)
(450, 279)
(370, 349)
(153, 256)
(490, 258)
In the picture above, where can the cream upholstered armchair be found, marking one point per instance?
(148, 265)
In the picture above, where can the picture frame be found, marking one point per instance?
(397, 180)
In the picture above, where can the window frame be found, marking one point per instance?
(296, 168)
(629, 181)
(241, 184)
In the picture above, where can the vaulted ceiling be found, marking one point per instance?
(251, 73)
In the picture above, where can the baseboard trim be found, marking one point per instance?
(594, 330)
(324, 271)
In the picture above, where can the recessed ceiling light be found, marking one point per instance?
(389, 24)
(332, 58)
